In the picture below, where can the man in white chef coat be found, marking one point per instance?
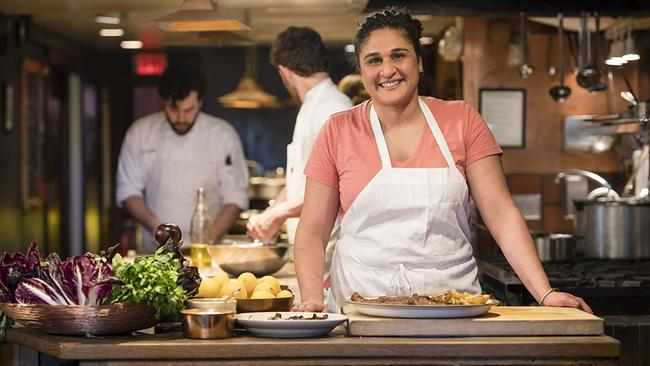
(166, 156)
(299, 55)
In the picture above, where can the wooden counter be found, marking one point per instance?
(335, 349)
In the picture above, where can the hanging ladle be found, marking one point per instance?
(588, 76)
(524, 69)
(599, 86)
(550, 69)
(560, 93)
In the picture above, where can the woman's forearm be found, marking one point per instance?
(511, 232)
(309, 261)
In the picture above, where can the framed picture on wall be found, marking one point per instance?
(504, 110)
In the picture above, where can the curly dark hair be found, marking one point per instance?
(179, 80)
(392, 18)
(301, 50)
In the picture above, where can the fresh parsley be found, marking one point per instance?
(152, 280)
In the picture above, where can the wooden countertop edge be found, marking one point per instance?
(172, 346)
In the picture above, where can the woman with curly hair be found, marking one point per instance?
(400, 168)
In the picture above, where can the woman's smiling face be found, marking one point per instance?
(390, 68)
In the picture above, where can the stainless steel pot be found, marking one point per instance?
(613, 229)
(554, 247)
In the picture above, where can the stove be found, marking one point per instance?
(610, 287)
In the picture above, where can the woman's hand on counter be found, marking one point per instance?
(566, 300)
(309, 305)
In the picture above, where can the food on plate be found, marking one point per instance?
(278, 316)
(453, 297)
(210, 287)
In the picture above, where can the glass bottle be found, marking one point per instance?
(200, 232)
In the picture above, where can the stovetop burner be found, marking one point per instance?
(612, 287)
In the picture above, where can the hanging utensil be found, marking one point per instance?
(571, 38)
(560, 93)
(524, 69)
(629, 97)
(588, 75)
(599, 86)
(550, 69)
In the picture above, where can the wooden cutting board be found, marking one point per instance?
(499, 321)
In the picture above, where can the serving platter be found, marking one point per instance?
(423, 311)
(261, 325)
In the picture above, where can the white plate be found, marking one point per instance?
(423, 311)
(259, 324)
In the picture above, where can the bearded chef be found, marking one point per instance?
(168, 155)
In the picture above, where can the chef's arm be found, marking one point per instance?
(318, 215)
(284, 208)
(224, 220)
(508, 227)
(136, 206)
(266, 225)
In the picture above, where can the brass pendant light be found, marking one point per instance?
(198, 16)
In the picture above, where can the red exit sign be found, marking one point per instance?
(150, 63)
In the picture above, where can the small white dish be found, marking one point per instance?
(261, 325)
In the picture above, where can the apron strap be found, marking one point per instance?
(437, 134)
(433, 125)
(379, 138)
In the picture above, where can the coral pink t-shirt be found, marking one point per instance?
(345, 154)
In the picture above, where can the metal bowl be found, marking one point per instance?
(236, 257)
(212, 303)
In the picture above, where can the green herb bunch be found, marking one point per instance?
(152, 280)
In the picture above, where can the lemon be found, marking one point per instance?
(265, 287)
(210, 287)
(273, 281)
(234, 288)
(284, 293)
(262, 295)
(249, 280)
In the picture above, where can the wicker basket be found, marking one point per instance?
(77, 319)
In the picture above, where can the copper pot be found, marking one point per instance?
(207, 323)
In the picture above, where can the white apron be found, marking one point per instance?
(181, 170)
(407, 231)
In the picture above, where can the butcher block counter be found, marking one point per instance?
(335, 349)
(503, 336)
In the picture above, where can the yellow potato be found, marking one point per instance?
(210, 287)
(264, 286)
(222, 278)
(249, 280)
(235, 289)
(262, 295)
(273, 281)
(284, 293)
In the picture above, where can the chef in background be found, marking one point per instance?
(299, 55)
(166, 156)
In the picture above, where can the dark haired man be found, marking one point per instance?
(166, 156)
(299, 55)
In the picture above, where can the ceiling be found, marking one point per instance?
(74, 20)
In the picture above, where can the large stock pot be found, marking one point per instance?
(613, 229)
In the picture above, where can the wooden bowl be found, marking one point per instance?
(256, 305)
(78, 319)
